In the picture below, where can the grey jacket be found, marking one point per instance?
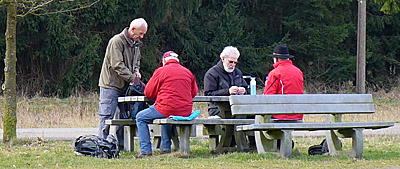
(121, 60)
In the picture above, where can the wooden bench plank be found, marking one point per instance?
(121, 122)
(315, 126)
(301, 99)
(270, 109)
(195, 99)
(205, 121)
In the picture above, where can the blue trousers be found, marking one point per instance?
(142, 119)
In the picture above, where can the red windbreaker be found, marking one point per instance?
(285, 79)
(174, 87)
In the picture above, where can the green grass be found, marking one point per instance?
(379, 152)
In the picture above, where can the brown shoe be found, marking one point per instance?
(165, 152)
(144, 155)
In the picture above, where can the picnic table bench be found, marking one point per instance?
(220, 131)
(268, 130)
(216, 144)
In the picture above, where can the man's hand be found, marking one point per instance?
(241, 90)
(137, 74)
(234, 90)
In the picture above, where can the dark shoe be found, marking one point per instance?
(143, 155)
(165, 152)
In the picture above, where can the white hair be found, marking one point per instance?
(137, 23)
(171, 57)
(228, 50)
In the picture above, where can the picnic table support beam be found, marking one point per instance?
(184, 142)
(226, 138)
(286, 143)
(155, 131)
(333, 142)
(213, 135)
(129, 134)
(265, 141)
(241, 143)
(240, 138)
(175, 138)
(357, 143)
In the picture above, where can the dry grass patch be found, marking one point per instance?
(81, 111)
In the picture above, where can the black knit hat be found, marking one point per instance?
(281, 52)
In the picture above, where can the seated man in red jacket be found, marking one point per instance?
(174, 87)
(285, 78)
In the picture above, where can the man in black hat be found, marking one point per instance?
(285, 78)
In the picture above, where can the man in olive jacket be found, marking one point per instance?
(120, 67)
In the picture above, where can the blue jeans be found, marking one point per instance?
(142, 119)
(108, 103)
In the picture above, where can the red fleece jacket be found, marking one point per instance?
(174, 87)
(285, 79)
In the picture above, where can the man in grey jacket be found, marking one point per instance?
(121, 65)
(224, 79)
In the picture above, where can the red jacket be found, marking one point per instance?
(174, 87)
(285, 79)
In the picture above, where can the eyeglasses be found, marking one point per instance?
(230, 61)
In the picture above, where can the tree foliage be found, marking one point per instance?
(62, 53)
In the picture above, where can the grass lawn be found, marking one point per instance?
(379, 152)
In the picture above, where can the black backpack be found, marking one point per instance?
(132, 108)
(91, 145)
(321, 148)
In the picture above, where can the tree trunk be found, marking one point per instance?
(9, 86)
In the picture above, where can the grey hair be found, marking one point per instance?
(137, 23)
(228, 50)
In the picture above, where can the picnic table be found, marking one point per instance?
(268, 130)
(220, 131)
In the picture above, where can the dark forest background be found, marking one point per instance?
(61, 54)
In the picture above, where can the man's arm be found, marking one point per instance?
(153, 85)
(195, 89)
(136, 67)
(272, 85)
(211, 87)
(117, 62)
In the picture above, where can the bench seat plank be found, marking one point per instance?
(205, 121)
(121, 122)
(270, 109)
(195, 99)
(316, 126)
(301, 99)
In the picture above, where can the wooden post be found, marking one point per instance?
(361, 46)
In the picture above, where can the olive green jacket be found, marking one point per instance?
(121, 60)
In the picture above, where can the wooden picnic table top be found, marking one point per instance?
(195, 99)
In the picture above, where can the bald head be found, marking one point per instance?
(137, 23)
(137, 29)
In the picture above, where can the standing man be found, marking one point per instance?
(285, 78)
(120, 67)
(224, 79)
(174, 87)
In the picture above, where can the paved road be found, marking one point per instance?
(72, 133)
